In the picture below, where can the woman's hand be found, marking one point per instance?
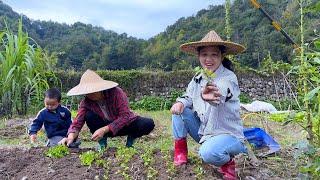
(211, 93)
(177, 108)
(68, 140)
(99, 133)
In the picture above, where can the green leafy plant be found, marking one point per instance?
(208, 75)
(307, 70)
(198, 169)
(307, 63)
(57, 151)
(87, 158)
(281, 117)
(244, 98)
(287, 117)
(124, 155)
(174, 94)
(148, 161)
(104, 164)
(165, 149)
(312, 168)
(90, 157)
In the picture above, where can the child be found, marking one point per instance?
(55, 118)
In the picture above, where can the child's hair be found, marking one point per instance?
(53, 93)
(225, 62)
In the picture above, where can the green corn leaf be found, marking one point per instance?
(317, 44)
(311, 94)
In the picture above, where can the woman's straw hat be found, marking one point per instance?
(212, 39)
(91, 82)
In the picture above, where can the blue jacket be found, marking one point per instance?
(56, 123)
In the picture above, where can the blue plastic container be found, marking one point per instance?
(259, 138)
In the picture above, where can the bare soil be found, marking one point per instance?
(31, 163)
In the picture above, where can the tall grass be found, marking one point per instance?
(24, 70)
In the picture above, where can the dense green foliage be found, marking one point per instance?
(306, 68)
(24, 70)
(151, 103)
(156, 103)
(82, 46)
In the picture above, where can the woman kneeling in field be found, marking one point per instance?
(106, 112)
(209, 111)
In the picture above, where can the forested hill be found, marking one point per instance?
(81, 46)
(249, 27)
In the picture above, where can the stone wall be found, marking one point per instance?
(265, 87)
(253, 85)
(139, 83)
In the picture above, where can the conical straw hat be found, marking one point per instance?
(91, 82)
(212, 39)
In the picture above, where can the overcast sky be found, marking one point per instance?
(138, 18)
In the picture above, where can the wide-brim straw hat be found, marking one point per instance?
(212, 39)
(91, 82)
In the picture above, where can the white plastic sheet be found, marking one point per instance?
(259, 106)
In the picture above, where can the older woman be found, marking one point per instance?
(209, 110)
(106, 112)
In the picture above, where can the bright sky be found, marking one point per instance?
(138, 18)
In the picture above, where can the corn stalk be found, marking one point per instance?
(24, 68)
(303, 74)
(227, 19)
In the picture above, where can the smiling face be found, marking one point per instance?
(210, 57)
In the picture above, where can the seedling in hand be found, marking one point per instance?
(208, 75)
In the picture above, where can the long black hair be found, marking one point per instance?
(225, 62)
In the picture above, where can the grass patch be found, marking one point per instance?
(2, 123)
(9, 142)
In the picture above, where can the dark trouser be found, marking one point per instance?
(53, 141)
(141, 126)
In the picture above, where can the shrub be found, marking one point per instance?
(244, 98)
(156, 103)
(284, 104)
(151, 103)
